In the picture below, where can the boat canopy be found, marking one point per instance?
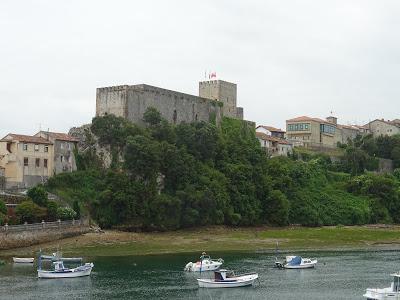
(295, 261)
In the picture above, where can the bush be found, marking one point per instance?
(52, 208)
(30, 212)
(38, 195)
(65, 213)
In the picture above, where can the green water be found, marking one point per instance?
(339, 275)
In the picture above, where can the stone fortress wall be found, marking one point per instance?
(131, 101)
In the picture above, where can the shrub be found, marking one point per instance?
(38, 195)
(52, 208)
(65, 213)
(30, 212)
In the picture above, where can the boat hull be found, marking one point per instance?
(306, 266)
(72, 273)
(381, 294)
(20, 260)
(240, 281)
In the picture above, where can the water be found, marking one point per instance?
(339, 275)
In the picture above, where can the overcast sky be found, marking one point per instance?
(289, 58)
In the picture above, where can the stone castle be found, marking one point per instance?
(217, 98)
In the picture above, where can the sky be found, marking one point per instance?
(289, 58)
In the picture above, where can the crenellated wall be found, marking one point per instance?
(131, 102)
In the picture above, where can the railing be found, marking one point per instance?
(43, 226)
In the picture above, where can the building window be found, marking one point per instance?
(26, 161)
(45, 162)
(62, 158)
(46, 148)
(37, 162)
(9, 147)
(25, 147)
(298, 127)
(36, 147)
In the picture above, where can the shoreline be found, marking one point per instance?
(222, 239)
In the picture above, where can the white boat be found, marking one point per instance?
(296, 262)
(392, 292)
(61, 272)
(23, 260)
(227, 279)
(204, 264)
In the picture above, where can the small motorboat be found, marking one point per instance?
(296, 262)
(62, 272)
(204, 264)
(227, 279)
(23, 260)
(392, 292)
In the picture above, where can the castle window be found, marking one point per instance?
(46, 148)
(175, 116)
(26, 161)
(25, 147)
(36, 147)
(45, 163)
(37, 162)
(196, 117)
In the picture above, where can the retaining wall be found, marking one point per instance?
(32, 234)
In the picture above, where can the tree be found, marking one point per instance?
(142, 157)
(277, 208)
(152, 116)
(38, 194)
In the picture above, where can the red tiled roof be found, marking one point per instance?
(26, 138)
(266, 137)
(60, 136)
(305, 118)
(347, 126)
(272, 129)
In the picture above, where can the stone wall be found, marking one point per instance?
(24, 238)
(131, 102)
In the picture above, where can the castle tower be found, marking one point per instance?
(225, 92)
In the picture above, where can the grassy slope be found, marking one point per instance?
(113, 243)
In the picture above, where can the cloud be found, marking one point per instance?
(288, 58)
